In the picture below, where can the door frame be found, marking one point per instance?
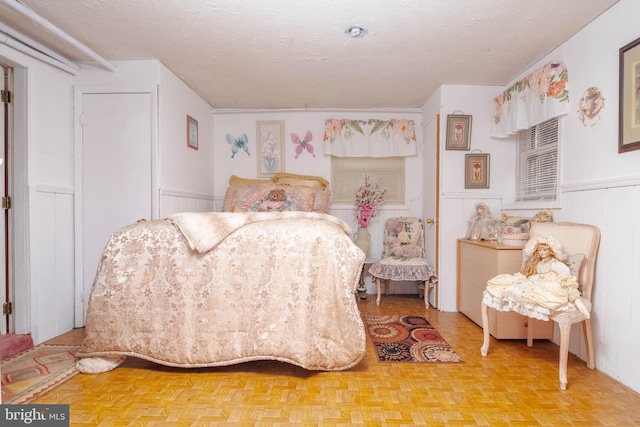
(78, 92)
(18, 233)
(431, 178)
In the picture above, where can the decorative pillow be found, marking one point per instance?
(301, 180)
(322, 201)
(241, 188)
(237, 195)
(279, 199)
(575, 263)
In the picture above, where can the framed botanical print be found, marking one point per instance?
(458, 132)
(476, 171)
(270, 147)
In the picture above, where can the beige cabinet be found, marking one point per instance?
(478, 261)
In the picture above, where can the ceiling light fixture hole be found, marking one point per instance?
(355, 32)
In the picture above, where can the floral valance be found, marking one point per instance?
(540, 96)
(369, 138)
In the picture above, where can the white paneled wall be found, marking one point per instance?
(173, 201)
(52, 268)
(616, 289)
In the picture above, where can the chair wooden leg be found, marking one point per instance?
(588, 343)
(378, 280)
(426, 295)
(484, 350)
(565, 331)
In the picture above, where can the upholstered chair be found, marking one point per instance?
(403, 257)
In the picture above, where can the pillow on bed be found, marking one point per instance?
(301, 180)
(248, 181)
(322, 200)
(290, 199)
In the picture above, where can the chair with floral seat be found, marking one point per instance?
(403, 257)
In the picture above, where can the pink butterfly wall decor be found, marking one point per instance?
(304, 144)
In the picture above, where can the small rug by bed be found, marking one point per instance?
(408, 339)
(34, 372)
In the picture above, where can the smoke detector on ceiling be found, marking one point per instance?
(355, 32)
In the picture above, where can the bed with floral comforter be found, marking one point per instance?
(215, 289)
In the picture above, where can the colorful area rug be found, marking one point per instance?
(34, 372)
(408, 339)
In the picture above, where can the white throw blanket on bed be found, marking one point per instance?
(205, 230)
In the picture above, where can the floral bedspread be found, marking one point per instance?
(278, 286)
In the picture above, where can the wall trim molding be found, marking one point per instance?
(314, 110)
(186, 194)
(472, 195)
(55, 189)
(601, 184)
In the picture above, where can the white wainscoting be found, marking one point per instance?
(51, 302)
(175, 201)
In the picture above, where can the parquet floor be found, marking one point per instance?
(513, 386)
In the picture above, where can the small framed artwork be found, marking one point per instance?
(192, 132)
(270, 147)
(476, 171)
(458, 132)
(629, 111)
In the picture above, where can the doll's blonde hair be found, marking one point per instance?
(531, 252)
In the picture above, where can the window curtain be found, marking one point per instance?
(540, 96)
(369, 138)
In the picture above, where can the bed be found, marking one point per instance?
(221, 288)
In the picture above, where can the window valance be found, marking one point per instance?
(540, 96)
(369, 138)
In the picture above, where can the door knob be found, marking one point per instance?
(430, 221)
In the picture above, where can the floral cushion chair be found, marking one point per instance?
(403, 256)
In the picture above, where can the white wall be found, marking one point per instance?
(186, 176)
(602, 187)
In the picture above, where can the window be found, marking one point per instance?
(347, 175)
(537, 162)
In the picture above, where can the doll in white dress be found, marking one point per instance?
(544, 286)
(482, 226)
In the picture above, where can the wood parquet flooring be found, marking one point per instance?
(513, 386)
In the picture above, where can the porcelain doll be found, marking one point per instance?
(482, 226)
(545, 284)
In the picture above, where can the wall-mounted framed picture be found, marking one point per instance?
(192, 132)
(629, 111)
(270, 147)
(476, 171)
(458, 132)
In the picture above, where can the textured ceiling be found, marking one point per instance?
(294, 54)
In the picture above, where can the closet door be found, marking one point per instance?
(116, 171)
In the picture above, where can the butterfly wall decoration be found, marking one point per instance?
(237, 144)
(304, 144)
